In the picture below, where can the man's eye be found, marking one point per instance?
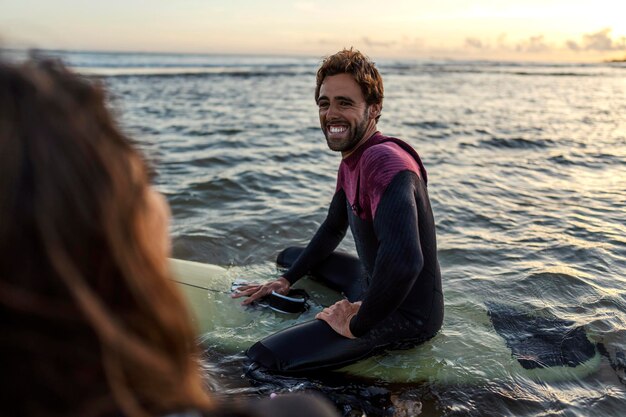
(345, 103)
(322, 105)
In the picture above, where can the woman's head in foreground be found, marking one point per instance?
(90, 323)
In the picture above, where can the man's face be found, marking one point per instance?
(344, 114)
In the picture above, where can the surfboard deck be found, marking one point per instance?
(478, 343)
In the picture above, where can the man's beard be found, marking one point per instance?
(350, 142)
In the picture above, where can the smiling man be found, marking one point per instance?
(393, 290)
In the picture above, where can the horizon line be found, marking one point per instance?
(292, 55)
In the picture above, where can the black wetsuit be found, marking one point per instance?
(381, 194)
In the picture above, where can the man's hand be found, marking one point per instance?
(255, 291)
(338, 316)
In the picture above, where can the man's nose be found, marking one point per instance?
(332, 111)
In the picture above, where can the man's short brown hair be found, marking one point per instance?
(350, 61)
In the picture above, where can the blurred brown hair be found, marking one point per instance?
(350, 61)
(90, 323)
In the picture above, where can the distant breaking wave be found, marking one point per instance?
(112, 64)
(512, 143)
(191, 71)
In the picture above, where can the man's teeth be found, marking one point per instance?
(337, 129)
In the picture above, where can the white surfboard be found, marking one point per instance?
(467, 350)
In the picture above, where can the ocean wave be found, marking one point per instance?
(167, 72)
(554, 74)
(589, 160)
(503, 68)
(431, 124)
(512, 143)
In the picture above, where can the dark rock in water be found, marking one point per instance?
(407, 404)
(540, 342)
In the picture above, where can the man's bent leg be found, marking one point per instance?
(339, 271)
(314, 345)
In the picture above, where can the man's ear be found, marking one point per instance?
(373, 110)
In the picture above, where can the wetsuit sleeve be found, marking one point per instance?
(326, 239)
(399, 258)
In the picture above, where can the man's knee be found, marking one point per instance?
(288, 256)
(261, 355)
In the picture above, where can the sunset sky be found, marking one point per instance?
(552, 30)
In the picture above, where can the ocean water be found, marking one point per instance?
(527, 178)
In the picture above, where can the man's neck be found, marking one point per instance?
(368, 134)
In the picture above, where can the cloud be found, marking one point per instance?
(412, 43)
(363, 41)
(573, 46)
(474, 43)
(534, 44)
(326, 42)
(598, 41)
(374, 44)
